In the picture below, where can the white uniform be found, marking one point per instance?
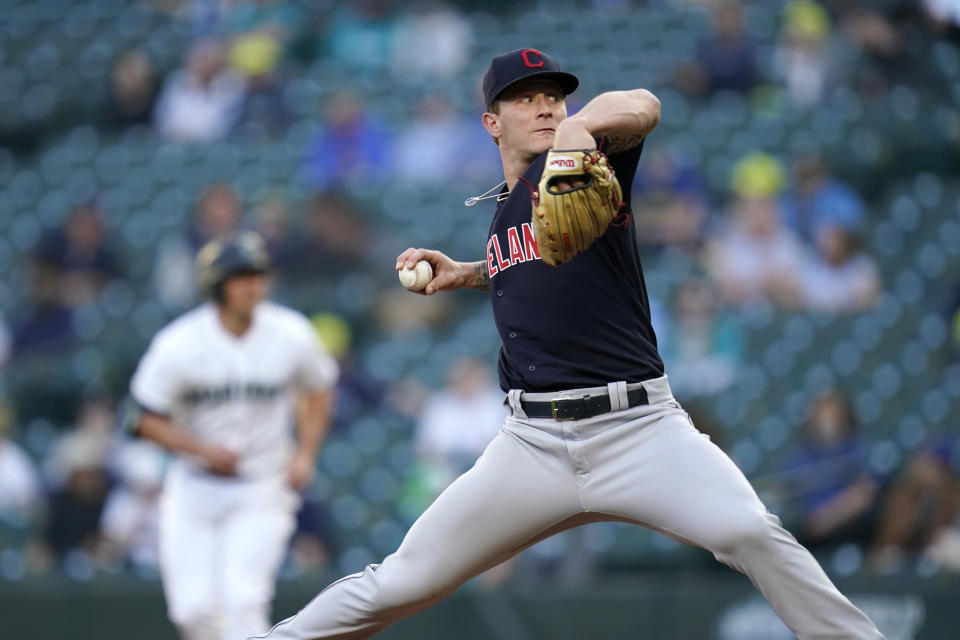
(222, 539)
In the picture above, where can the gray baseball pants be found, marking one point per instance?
(646, 465)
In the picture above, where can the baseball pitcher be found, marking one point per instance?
(594, 432)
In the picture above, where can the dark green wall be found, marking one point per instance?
(687, 606)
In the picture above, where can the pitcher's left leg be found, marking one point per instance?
(659, 471)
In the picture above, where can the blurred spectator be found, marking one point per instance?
(726, 60)
(755, 258)
(133, 90)
(271, 219)
(260, 33)
(818, 199)
(703, 349)
(455, 426)
(828, 479)
(802, 60)
(129, 519)
(357, 391)
(78, 257)
(71, 265)
(668, 201)
(921, 504)
(216, 216)
(944, 14)
(868, 28)
(47, 324)
(360, 35)
(200, 102)
(77, 473)
(351, 148)
(21, 492)
(428, 149)
(76, 507)
(90, 437)
(432, 41)
(335, 239)
(840, 277)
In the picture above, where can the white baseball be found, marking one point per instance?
(417, 278)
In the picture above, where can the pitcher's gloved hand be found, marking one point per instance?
(577, 199)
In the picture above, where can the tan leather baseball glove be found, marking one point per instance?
(566, 222)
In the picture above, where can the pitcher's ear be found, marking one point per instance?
(491, 122)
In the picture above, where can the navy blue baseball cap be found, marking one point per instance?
(523, 64)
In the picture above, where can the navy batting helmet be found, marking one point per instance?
(218, 260)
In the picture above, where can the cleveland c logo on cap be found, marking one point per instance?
(526, 60)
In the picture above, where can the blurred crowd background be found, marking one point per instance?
(798, 209)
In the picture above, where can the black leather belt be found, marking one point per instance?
(579, 408)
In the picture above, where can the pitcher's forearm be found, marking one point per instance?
(477, 277)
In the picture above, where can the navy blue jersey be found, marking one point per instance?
(581, 324)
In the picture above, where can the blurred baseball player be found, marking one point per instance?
(594, 432)
(220, 387)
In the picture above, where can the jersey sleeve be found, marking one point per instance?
(316, 369)
(156, 383)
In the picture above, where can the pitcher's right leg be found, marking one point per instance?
(520, 487)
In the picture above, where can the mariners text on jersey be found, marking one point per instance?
(224, 393)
